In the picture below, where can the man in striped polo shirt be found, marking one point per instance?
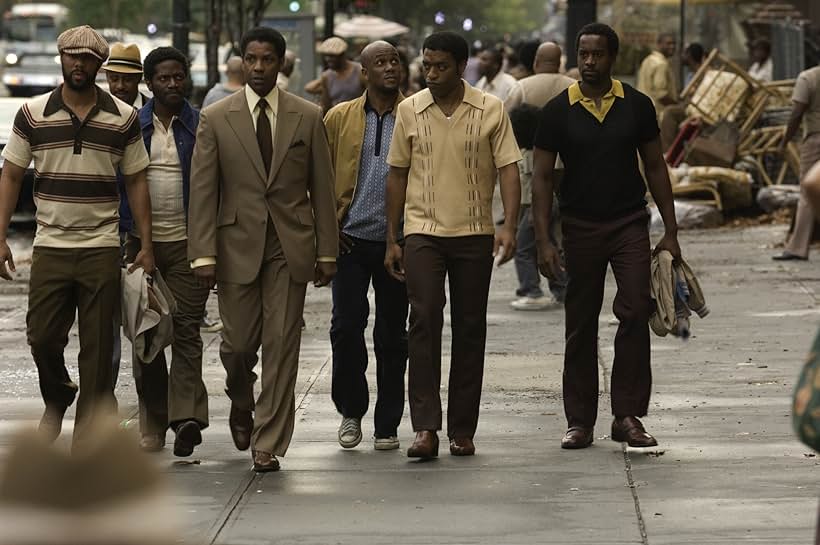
(77, 136)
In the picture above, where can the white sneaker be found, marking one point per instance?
(535, 303)
(350, 432)
(386, 443)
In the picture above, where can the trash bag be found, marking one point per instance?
(689, 214)
(775, 197)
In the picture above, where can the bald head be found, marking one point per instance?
(288, 63)
(233, 69)
(381, 67)
(374, 50)
(547, 58)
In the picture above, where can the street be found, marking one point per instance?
(728, 468)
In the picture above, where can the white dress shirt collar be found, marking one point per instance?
(253, 99)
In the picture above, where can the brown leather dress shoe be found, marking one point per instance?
(264, 462)
(241, 424)
(152, 442)
(629, 430)
(577, 437)
(51, 424)
(188, 436)
(462, 446)
(425, 445)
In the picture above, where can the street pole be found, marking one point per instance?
(682, 41)
(181, 25)
(330, 11)
(579, 13)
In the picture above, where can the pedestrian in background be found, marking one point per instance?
(359, 134)
(342, 80)
(169, 123)
(79, 137)
(762, 68)
(535, 91)
(262, 222)
(235, 79)
(494, 80)
(450, 141)
(123, 72)
(599, 127)
(805, 111)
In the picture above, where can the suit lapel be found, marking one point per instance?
(287, 120)
(239, 118)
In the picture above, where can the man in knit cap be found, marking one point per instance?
(78, 137)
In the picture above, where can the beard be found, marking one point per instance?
(85, 85)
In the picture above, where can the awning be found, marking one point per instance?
(369, 26)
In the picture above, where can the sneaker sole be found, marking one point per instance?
(387, 446)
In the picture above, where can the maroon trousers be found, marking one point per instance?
(468, 262)
(589, 247)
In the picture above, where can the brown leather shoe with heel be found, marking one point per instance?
(577, 437)
(241, 424)
(462, 446)
(425, 445)
(264, 462)
(629, 430)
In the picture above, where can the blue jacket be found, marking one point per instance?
(184, 128)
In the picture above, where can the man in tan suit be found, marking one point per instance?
(262, 222)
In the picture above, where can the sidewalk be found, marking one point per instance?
(728, 469)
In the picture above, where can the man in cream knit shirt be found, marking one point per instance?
(177, 400)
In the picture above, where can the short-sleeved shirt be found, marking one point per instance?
(601, 180)
(807, 91)
(452, 162)
(75, 164)
(656, 78)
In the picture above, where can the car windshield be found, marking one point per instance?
(30, 29)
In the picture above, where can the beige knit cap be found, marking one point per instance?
(83, 39)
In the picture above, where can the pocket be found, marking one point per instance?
(304, 218)
(226, 217)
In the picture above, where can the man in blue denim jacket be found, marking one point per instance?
(177, 399)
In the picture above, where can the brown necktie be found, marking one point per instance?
(264, 137)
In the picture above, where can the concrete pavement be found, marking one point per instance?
(728, 469)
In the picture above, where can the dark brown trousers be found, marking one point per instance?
(467, 261)
(65, 282)
(173, 397)
(589, 247)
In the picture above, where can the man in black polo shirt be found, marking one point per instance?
(599, 126)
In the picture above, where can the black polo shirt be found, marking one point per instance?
(599, 150)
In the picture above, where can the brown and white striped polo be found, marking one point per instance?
(75, 166)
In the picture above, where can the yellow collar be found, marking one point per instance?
(575, 96)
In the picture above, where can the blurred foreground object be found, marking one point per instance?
(107, 493)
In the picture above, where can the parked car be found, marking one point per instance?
(24, 212)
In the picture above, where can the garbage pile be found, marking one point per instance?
(726, 155)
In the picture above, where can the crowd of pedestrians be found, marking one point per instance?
(262, 192)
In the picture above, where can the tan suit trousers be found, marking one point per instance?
(800, 239)
(266, 312)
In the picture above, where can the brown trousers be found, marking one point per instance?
(64, 281)
(266, 312)
(467, 261)
(800, 238)
(588, 248)
(169, 399)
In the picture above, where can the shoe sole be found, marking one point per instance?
(618, 438)
(188, 436)
(386, 446)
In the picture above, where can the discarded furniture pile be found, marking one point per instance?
(726, 151)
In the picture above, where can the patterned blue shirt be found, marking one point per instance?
(366, 217)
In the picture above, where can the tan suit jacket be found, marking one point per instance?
(231, 198)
